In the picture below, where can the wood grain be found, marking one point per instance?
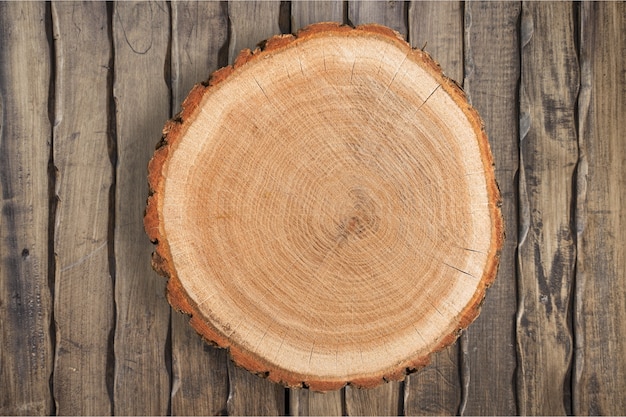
(546, 254)
(438, 27)
(389, 13)
(600, 307)
(25, 143)
(305, 402)
(142, 103)
(83, 305)
(199, 371)
(252, 22)
(491, 82)
(304, 13)
(386, 399)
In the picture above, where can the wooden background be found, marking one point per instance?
(85, 89)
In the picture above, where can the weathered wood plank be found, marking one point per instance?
(250, 395)
(546, 254)
(385, 399)
(437, 26)
(252, 22)
(304, 13)
(83, 305)
(141, 42)
(199, 40)
(491, 82)
(388, 13)
(600, 308)
(26, 355)
(311, 403)
(305, 402)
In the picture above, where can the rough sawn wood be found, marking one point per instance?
(326, 208)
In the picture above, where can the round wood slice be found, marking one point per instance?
(326, 208)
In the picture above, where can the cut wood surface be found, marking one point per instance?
(382, 400)
(140, 38)
(343, 212)
(26, 334)
(304, 402)
(250, 23)
(549, 151)
(83, 295)
(80, 113)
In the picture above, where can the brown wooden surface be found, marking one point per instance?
(549, 151)
(600, 295)
(84, 310)
(26, 331)
(199, 42)
(84, 325)
(491, 49)
(142, 99)
(437, 27)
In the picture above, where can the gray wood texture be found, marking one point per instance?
(438, 28)
(199, 41)
(600, 306)
(142, 102)
(85, 89)
(547, 253)
(26, 334)
(492, 61)
(83, 294)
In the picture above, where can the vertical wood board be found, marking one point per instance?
(199, 371)
(142, 105)
(26, 355)
(438, 27)
(600, 307)
(549, 151)
(492, 63)
(83, 305)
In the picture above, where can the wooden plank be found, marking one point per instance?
(249, 394)
(491, 82)
(385, 399)
(388, 13)
(304, 13)
(83, 305)
(546, 254)
(141, 42)
(251, 22)
(303, 402)
(600, 308)
(25, 136)
(437, 26)
(199, 372)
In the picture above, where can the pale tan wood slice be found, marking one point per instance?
(26, 334)
(327, 208)
(305, 402)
